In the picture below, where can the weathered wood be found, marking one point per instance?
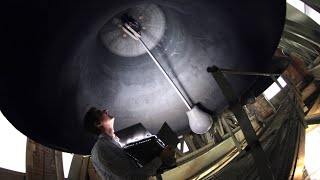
(306, 92)
(84, 168)
(299, 169)
(236, 142)
(315, 108)
(189, 142)
(29, 158)
(93, 175)
(59, 165)
(179, 153)
(181, 144)
(207, 138)
(198, 140)
(220, 126)
(75, 168)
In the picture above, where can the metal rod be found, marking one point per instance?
(230, 71)
(165, 74)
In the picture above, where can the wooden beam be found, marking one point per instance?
(75, 168)
(299, 169)
(207, 138)
(179, 153)
(84, 168)
(306, 92)
(197, 140)
(235, 140)
(189, 142)
(31, 147)
(59, 164)
(182, 144)
(93, 175)
(220, 125)
(315, 108)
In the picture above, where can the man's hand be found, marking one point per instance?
(167, 155)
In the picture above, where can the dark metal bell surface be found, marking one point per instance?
(63, 57)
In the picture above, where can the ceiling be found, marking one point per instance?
(63, 57)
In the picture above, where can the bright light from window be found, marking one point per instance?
(301, 6)
(13, 147)
(297, 4)
(185, 147)
(66, 159)
(271, 91)
(313, 14)
(312, 149)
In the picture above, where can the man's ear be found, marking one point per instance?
(98, 124)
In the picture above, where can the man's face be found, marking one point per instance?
(107, 120)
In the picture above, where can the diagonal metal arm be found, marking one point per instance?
(165, 74)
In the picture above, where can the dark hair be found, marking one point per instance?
(92, 117)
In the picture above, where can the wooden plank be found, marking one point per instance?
(179, 153)
(235, 140)
(306, 92)
(299, 169)
(84, 168)
(75, 168)
(93, 175)
(29, 158)
(59, 165)
(182, 144)
(207, 138)
(315, 108)
(189, 142)
(221, 127)
(198, 140)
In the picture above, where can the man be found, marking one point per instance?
(109, 159)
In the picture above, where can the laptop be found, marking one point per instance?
(142, 146)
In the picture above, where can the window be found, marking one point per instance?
(66, 160)
(271, 91)
(301, 6)
(185, 147)
(13, 147)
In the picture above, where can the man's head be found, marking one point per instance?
(97, 121)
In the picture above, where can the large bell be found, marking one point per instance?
(63, 57)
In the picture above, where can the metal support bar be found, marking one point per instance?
(300, 114)
(230, 71)
(235, 140)
(262, 164)
(165, 74)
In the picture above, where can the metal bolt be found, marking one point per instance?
(119, 25)
(124, 35)
(144, 28)
(140, 17)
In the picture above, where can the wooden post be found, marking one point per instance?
(59, 165)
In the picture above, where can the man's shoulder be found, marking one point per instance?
(100, 143)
